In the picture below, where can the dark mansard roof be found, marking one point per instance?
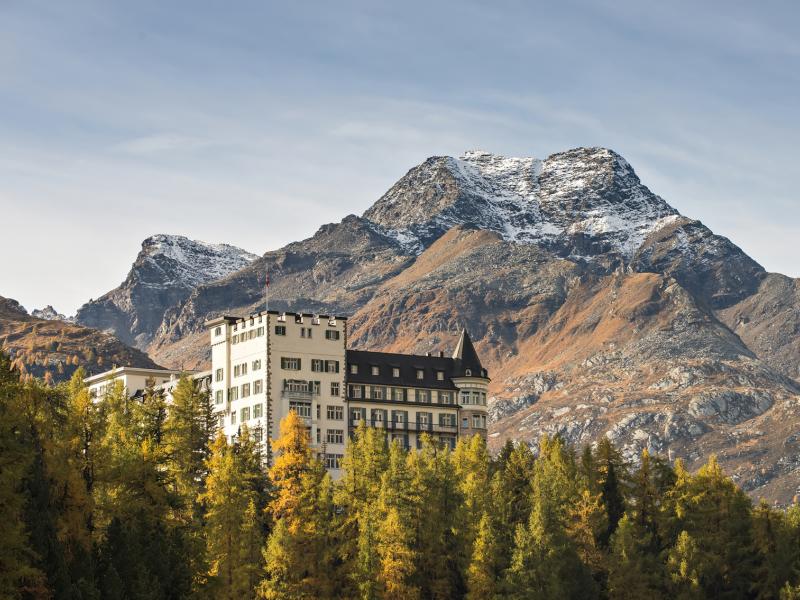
(465, 359)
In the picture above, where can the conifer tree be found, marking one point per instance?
(435, 498)
(634, 571)
(234, 525)
(545, 563)
(612, 473)
(299, 556)
(713, 551)
(17, 571)
(484, 571)
(397, 559)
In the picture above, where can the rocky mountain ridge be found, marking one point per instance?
(598, 308)
(167, 269)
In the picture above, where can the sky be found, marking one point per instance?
(255, 122)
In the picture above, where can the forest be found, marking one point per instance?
(137, 499)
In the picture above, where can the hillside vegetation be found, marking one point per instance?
(53, 350)
(140, 500)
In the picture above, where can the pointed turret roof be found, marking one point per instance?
(466, 356)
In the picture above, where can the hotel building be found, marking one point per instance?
(269, 363)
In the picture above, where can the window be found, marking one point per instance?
(465, 423)
(445, 398)
(335, 413)
(398, 395)
(290, 364)
(258, 386)
(305, 332)
(420, 374)
(477, 422)
(400, 416)
(258, 434)
(256, 365)
(258, 411)
(233, 418)
(378, 415)
(332, 366)
(218, 397)
(483, 398)
(375, 370)
(465, 397)
(235, 339)
(469, 373)
(402, 439)
(315, 388)
(319, 435)
(424, 419)
(354, 369)
(439, 375)
(395, 372)
(221, 420)
(233, 394)
(331, 334)
(218, 331)
(280, 329)
(237, 371)
(447, 420)
(355, 415)
(260, 331)
(319, 407)
(377, 393)
(245, 390)
(316, 365)
(334, 388)
(244, 414)
(219, 374)
(334, 436)
(423, 396)
(303, 409)
(333, 461)
(355, 391)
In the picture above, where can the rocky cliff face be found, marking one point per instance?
(598, 308)
(166, 271)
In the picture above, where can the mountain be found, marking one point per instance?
(598, 308)
(164, 273)
(50, 346)
(49, 313)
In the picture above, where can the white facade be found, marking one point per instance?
(267, 364)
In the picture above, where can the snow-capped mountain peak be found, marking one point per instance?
(581, 193)
(194, 261)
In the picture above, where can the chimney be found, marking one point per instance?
(427, 354)
(441, 353)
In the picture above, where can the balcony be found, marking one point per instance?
(301, 395)
(404, 426)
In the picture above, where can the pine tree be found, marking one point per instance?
(612, 469)
(471, 462)
(484, 569)
(714, 549)
(17, 571)
(545, 563)
(634, 571)
(365, 460)
(395, 575)
(234, 525)
(299, 556)
(435, 498)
